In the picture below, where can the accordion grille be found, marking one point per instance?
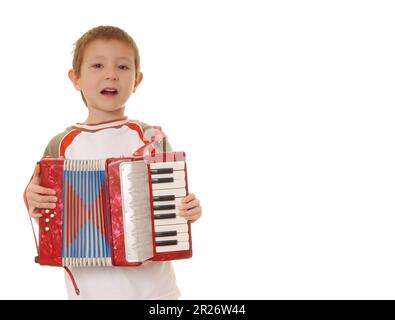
(85, 233)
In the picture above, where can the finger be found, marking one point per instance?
(40, 198)
(39, 189)
(193, 218)
(191, 204)
(190, 212)
(188, 198)
(35, 213)
(43, 205)
(193, 211)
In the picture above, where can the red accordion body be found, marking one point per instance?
(115, 212)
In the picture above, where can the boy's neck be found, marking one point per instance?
(99, 116)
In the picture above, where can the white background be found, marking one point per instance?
(284, 108)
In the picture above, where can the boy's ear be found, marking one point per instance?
(138, 80)
(74, 79)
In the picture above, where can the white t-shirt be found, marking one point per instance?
(152, 280)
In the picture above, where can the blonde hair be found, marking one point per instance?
(107, 33)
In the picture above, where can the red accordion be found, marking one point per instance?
(115, 212)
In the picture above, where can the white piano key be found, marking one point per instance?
(177, 220)
(177, 165)
(176, 192)
(169, 185)
(182, 237)
(181, 246)
(180, 228)
(176, 175)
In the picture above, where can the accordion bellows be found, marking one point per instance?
(115, 212)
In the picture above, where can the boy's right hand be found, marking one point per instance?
(39, 197)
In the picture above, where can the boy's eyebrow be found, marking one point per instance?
(119, 58)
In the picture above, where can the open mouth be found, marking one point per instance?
(109, 92)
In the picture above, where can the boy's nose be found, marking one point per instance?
(111, 75)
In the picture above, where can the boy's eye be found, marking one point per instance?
(99, 65)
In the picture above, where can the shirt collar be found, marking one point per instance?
(102, 125)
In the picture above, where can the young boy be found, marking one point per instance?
(106, 70)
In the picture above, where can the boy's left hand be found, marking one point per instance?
(190, 208)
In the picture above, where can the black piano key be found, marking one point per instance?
(165, 233)
(162, 171)
(165, 207)
(164, 216)
(166, 243)
(164, 198)
(162, 180)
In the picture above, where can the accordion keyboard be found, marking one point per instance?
(168, 186)
(168, 189)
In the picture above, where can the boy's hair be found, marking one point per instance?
(107, 33)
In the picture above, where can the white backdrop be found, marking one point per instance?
(284, 108)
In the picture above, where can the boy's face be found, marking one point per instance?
(108, 75)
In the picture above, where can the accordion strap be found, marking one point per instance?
(27, 207)
(77, 291)
(157, 143)
(34, 234)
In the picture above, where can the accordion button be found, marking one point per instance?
(52, 215)
(46, 220)
(47, 211)
(46, 228)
